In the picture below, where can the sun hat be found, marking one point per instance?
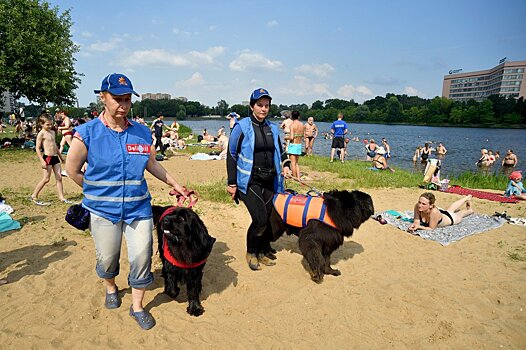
(259, 93)
(380, 150)
(117, 84)
(515, 175)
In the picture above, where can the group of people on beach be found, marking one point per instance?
(108, 157)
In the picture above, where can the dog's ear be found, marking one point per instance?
(157, 211)
(201, 231)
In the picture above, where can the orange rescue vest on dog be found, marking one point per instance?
(298, 210)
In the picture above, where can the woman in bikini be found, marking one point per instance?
(295, 137)
(429, 217)
(66, 129)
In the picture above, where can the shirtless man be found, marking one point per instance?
(49, 160)
(66, 129)
(441, 150)
(310, 133)
(285, 125)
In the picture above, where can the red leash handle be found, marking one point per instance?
(191, 197)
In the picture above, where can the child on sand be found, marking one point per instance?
(515, 187)
(49, 160)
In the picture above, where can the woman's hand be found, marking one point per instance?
(412, 228)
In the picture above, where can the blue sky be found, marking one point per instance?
(301, 51)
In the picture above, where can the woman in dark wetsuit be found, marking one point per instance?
(429, 217)
(254, 166)
(425, 153)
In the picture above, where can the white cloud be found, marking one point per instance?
(248, 61)
(357, 93)
(101, 46)
(86, 34)
(302, 86)
(319, 70)
(411, 91)
(178, 31)
(212, 28)
(272, 23)
(194, 80)
(161, 57)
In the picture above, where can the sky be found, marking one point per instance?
(301, 51)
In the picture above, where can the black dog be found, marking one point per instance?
(317, 240)
(184, 246)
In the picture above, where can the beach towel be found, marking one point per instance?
(470, 225)
(480, 194)
(7, 223)
(204, 156)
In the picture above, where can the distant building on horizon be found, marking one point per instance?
(8, 103)
(156, 96)
(506, 79)
(181, 98)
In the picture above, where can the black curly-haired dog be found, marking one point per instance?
(184, 246)
(316, 239)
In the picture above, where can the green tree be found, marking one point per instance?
(36, 52)
(394, 110)
(317, 105)
(222, 107)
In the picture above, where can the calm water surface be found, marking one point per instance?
(463, 144)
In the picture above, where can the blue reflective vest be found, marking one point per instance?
(114, 186)
(245, 158)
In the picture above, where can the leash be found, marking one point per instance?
(187, 195)
(312, 189)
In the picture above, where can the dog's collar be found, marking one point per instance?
(174, 262)
(167, 212)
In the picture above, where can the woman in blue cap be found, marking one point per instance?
(118, 150)
(254, 167)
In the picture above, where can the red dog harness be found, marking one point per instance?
(169, 255)
(298, 210)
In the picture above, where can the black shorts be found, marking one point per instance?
(338, 142)
(51, 160)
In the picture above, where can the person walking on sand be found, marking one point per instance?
(116, 194)
(428, 216)
(254, 162)
(157, 127)
(49, 160)
(65, 128)
(311, 132)
(339, 129)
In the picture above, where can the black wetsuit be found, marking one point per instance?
(260, 191)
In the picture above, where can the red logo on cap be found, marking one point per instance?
(122, 81)
(262, 91)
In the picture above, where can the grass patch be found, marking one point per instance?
(15, 155)
(519, 254)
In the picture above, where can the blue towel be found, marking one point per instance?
(7, 223)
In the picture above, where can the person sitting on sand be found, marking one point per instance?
(515, 187)
(222, 142)
(428, 216)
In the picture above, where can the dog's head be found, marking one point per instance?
(347, 209)
(184, 229)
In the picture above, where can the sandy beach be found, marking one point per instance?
(396, 290)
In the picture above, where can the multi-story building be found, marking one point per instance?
(506, 79)
(7, 105)
(157, 96)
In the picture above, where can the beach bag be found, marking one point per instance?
(78, 217)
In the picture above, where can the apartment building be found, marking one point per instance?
(156, 96)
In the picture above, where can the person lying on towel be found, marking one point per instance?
(428, 216)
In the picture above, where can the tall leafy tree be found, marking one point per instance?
(36, 52)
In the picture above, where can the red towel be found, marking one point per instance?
(481, 194)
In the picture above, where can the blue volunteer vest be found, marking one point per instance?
(114, 186)
(245, 158)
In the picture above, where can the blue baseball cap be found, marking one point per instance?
(117, 84)
(259, 93)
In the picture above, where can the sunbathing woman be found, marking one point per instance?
(429, 217)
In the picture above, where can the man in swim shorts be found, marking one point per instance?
(339, 130)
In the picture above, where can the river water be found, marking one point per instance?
(463, 144)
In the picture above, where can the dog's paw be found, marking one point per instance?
(331, 271)
(317, 278)
(195, 309)
(172, 293)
